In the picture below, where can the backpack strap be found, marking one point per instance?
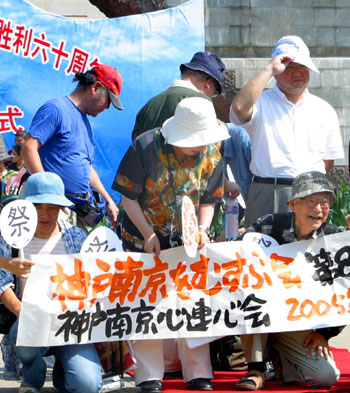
(280, 223)
(329, 229)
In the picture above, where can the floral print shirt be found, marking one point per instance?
(144, 174)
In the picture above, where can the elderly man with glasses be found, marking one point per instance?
(301, 356)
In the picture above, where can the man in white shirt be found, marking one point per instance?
(291, 130)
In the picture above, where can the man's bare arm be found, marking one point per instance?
(328, 165)
(135, 213)
(111, 208)
(244, 101)
(11, 301)
(31, 155)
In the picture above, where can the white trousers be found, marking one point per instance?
(172, 360)
(296, 365)
(150, 364)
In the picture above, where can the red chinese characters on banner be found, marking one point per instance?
(77, 285)
(126, 281)
(60, 54)
(129, 279)
(6, 32)
(156, 280)
(23, 41)
(281, 262)
(7, 119)
(41, 46)
(78, 61)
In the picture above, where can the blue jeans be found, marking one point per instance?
(77, 367)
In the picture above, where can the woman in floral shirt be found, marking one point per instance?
(158, 170)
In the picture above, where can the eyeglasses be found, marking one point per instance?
(312, 203)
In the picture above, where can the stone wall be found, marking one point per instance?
(249, 28)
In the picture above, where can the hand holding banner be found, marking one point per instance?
(229, 288)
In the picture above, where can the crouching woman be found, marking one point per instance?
(77, 367)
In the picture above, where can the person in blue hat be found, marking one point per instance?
(52, 236)
(201, 77)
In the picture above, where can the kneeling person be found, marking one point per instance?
(77, 367)
(303, 356)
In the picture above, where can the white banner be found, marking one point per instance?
(228, 288)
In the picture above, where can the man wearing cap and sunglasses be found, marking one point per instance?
(159, 169)
(61, 138)
(291, 130)
(300, 356)
(200, 77)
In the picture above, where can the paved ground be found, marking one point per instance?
(341, 341)
(12, 386)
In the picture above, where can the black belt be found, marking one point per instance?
(273, 180)
(82, 196)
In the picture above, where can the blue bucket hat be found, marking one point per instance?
(207, 62)
(46, 187)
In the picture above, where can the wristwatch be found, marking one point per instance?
(205, 228)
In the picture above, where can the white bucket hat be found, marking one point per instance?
(292, 45)
(194, 124)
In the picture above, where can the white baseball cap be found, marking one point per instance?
(294, 46)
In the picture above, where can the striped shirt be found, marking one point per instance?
(53, 245)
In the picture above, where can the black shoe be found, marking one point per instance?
(200, 384)
(154, 386)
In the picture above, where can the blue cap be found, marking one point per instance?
(46, 187)
(207, 62)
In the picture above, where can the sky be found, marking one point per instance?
(40, 52)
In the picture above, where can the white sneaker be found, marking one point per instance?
(27, 388)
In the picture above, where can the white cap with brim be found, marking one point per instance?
(295, 47)
(194, 124)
